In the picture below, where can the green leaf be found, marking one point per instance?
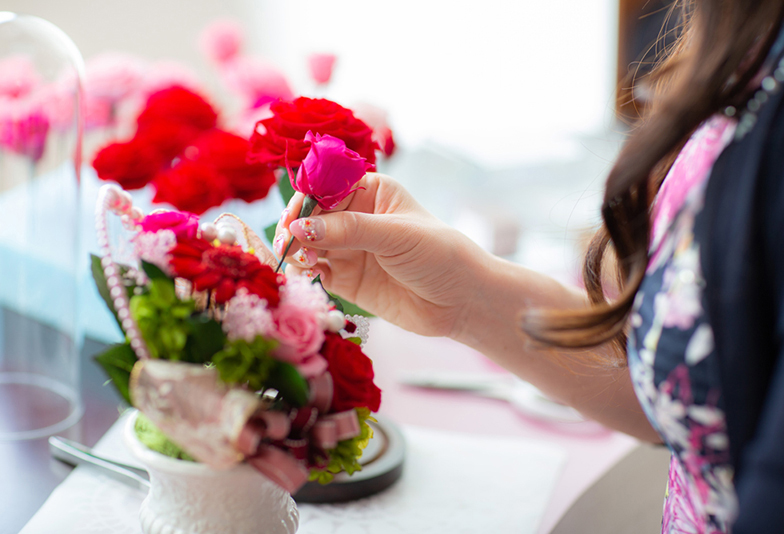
(290, 384)
(117, 362)
(100, 282)
(153, 272)
(269, 232)
(284, 186)
(206, 339)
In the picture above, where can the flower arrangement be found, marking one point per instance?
(228, 360)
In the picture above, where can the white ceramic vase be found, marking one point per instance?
(191, 498)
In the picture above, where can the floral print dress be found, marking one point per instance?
(672, 360)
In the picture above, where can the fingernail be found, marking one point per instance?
(310, 274)
(279, 245)
(308, 229)
(306, 256)
(283, 216)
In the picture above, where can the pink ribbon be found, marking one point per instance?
(335, 427)
(288, 468)
(280, 467)
(321, 391)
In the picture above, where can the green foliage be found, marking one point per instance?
(285, 378)
(153, 272)
(100, 283)
(284, 187)
(345, 457)
(240, 362)
(156, 440)
(206, 338)
(163, 319)
(117, 361)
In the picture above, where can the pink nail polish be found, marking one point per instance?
(278, 245)
(306, 256)
(308, 229)
(283, 215)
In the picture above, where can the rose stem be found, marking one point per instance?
(308, 205)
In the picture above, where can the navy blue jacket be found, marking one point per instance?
(741, 236)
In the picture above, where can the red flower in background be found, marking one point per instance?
(191, 186)
(352, 375)
(280, 139)
(223, 269)
(227, 154)
(132, 164)
(193, 165)
(180, 106)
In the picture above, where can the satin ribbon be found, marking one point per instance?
(284, 459)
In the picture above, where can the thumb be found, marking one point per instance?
(377, 234)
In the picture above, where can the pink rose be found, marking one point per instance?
(330, 170)
(182, 223)
(321, 66)
(299, 331)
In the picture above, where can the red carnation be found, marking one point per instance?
(224, 269)
(227, 154)
(352, 375)
(283, 137)
(178, 105)
(132, 164)
(191, 186)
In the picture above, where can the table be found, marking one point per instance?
(28, 475)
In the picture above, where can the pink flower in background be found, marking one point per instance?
(23, 127)
(330, 170)
(222, 40)
(182, 223)
(376, 118)
(112, 75)
(259, 82)
(18, 76)
(321, 67)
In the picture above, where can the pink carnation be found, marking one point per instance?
(181, 223)
(247, 317)
(221, 41)
(258, 81)
(154, 247)
(18, 76)
(23, 127)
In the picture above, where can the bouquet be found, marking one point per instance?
(228, 360)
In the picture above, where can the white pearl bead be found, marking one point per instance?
(208, 231)
(136, 214)
(227, 235)
(336, 321)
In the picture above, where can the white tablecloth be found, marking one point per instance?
(452, 482)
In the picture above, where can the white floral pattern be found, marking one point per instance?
(671, 349)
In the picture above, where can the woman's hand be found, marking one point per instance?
(381, 250)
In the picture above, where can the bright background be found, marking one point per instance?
(502, 109)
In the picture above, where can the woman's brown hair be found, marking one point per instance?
(722, 47)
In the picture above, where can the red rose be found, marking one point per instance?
(352, 375)
(283, 136)
(227, 154)
(191, 186)
(223, 269)
(132, 164)
(178, 105)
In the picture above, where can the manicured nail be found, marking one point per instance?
(306, 256)
(283, 216)
(279, 245)
(308, 229)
